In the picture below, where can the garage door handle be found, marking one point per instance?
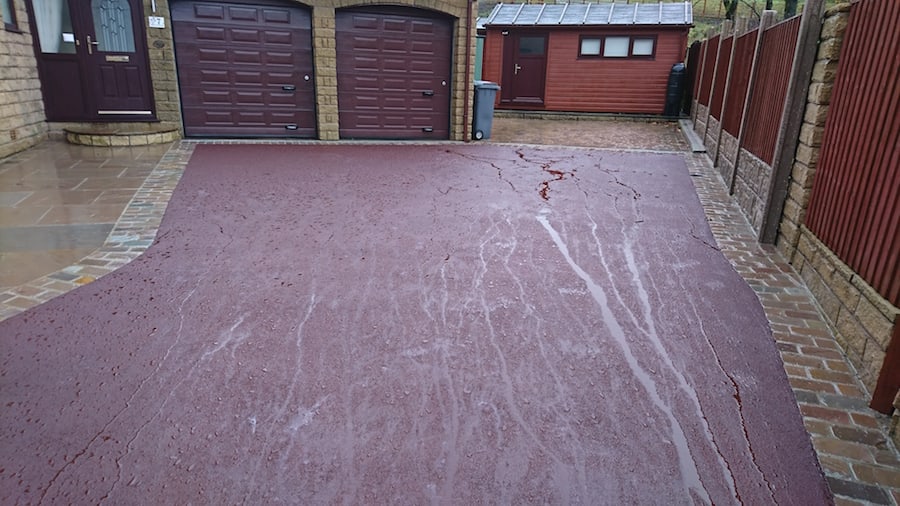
(290, 127)
(289, 87)
(428, 130)
(428, 93)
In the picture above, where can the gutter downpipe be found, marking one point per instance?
(468, 91)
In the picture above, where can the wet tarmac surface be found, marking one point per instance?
(409, 324)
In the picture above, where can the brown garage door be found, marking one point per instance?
(245, 70)
(393, 70)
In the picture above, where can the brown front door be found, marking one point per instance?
(393, 73)
(93, 60)
(524, 69)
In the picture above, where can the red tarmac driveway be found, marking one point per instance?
(409, 324)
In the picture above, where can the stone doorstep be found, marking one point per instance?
(122, 134)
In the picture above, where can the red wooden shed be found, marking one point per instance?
(594, 57)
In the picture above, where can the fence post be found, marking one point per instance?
(792, 117)
(702, 70)
(726, 26)
(718, 143)
(767, 20)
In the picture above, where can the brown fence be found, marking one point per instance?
(694, 55)
(855, 203)
(767, 99)
(740, 80)
(721, 78)
(709, 66)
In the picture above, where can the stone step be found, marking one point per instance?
(122, 134)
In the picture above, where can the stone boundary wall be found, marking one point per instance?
(862, 320)
(700, 119)
(751, 186)
(22, 122)
(712, 137)
(807, 155)
(728, 153)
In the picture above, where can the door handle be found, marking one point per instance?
(428, 93)
(289, 87)
(90, 45)
(517, 69)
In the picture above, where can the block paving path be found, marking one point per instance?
(861, 464)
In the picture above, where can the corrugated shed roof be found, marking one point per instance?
(592, 14)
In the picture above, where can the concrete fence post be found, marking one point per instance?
(792, 117)
(703, 70)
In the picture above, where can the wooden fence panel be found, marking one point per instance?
(855, 202)
(693, 70)
(767, 102)
(709, 66)
(740, 80)
(721, 78)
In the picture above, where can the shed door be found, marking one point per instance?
(393, 70)
(245, 70)
(524, 69)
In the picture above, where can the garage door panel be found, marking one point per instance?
(207, 11)
(233, 62)
(273, 16)
(243, 13)
(419, 27)
(241, 35)
(387, 58)
(364, 22)
(210, 33)
(282, 38)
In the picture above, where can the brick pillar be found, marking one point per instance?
(163, 75)
(325, 64)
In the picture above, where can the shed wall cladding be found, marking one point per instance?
(606, 84)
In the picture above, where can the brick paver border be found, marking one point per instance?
(851, 440)
(860, 462)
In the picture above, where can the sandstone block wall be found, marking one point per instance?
(807, 156)
(862, 320)
(22, 122)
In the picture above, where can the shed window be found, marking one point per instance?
(616, 47)
(642, 47)
(531, 45)
(8, 13)
(590, 46)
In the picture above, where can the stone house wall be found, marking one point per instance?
(165, 78)
(22, 122)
